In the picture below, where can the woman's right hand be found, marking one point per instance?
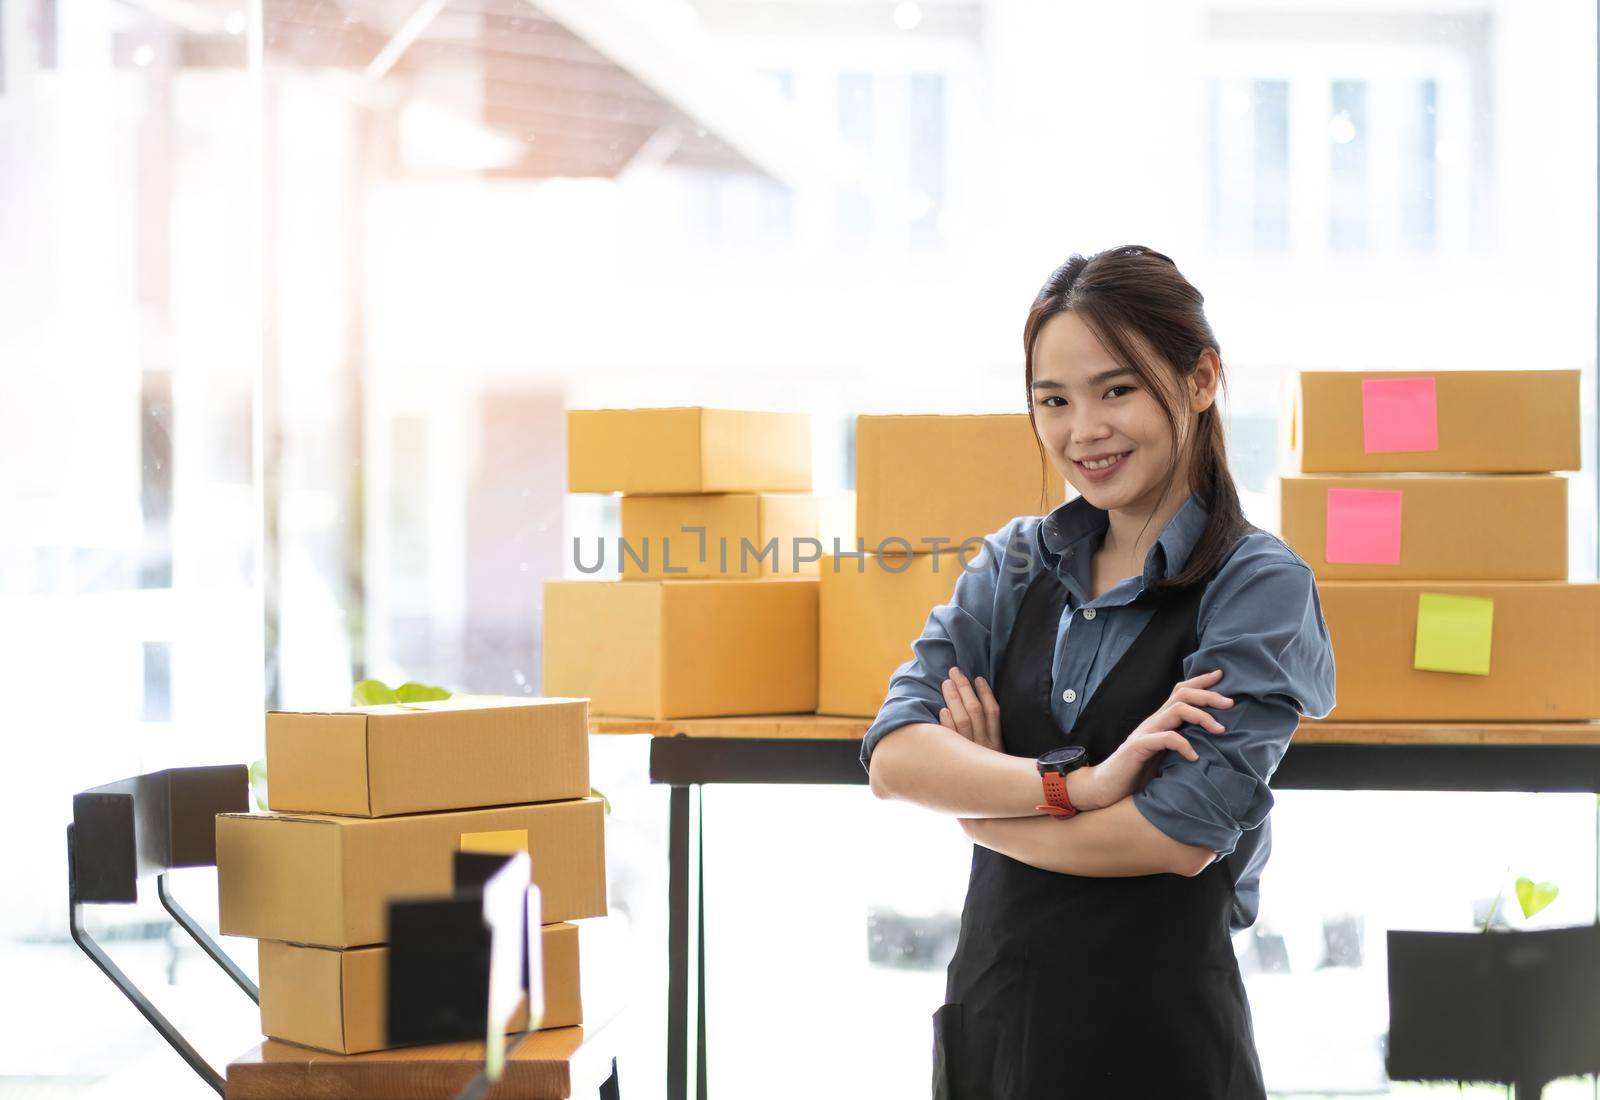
(1131, 766)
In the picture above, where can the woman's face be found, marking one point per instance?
(1087, 406)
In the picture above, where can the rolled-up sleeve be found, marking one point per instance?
(956, 633)
(1261, 624)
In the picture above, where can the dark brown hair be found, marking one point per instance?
(1134, 292)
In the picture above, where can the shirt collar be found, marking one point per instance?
(1068, 529)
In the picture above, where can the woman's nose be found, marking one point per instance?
(1090, 429)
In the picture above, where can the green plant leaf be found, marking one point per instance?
(372, 692)
(413, 692)
(595, 792)
(1534, 896)
(258, 783)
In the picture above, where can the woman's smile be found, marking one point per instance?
(1101, 468)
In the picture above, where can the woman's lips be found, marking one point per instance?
(1102, 474)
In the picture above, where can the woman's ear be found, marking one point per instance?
(1203, 381)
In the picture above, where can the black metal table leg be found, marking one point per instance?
(678, 945)
(700, 942)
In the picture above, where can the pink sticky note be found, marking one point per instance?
(1363, 526)
(1399, 414)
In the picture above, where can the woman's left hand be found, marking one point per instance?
(971, 710)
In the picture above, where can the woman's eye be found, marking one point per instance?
(1112, 392)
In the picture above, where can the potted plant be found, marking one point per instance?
(1518, 1007)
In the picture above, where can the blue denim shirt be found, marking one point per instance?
(1260, 621)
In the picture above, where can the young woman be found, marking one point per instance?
(1102, 704)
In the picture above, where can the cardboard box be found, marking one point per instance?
(1543, 652)
(451, 754)
(683, 648)
(327, 881)
(869, 617)
(1428, 526)
(337, 999)
(737, 528)
(1518, 421)
(687, 450)
(947, 477)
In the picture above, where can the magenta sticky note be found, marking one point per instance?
(1399, 414)
(1363, 526)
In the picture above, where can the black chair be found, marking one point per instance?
(151, 824)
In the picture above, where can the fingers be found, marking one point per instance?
(991, 705)
(969, 697)
(1152, 744)
(1174, 740)
(1204, 680)
(960, 719)
(974, 711)
(1202, 698)
(1201, 718)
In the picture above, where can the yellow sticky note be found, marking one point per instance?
(502, 842)
(1454, 633)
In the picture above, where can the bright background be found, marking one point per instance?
(293, 294)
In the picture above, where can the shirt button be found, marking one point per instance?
(1069, 696)
(1088, 613)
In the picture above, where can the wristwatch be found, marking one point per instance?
(1053, 768)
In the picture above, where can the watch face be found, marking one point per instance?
(1063, 759)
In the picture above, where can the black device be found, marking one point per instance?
(1063, 760)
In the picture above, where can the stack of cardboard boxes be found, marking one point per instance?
(702, 625)
(368, 805)
(1428, 508)
(716, 611)
(928, 489)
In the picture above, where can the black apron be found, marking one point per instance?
(1066, 987)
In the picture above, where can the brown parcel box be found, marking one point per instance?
(327, 881)
(737, 530)
(452, 754)
(687, 450)
(1443, 534)
(870, 615)
(947, 477)
(1544, 652)
(683, 648)
(337, 1000)
(1518, 421)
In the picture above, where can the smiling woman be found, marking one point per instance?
(1172, 642)
(1121, 364)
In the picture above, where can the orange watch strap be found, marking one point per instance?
(1057, 803)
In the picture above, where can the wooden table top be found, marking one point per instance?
(556, 1064)
(1311, 731)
